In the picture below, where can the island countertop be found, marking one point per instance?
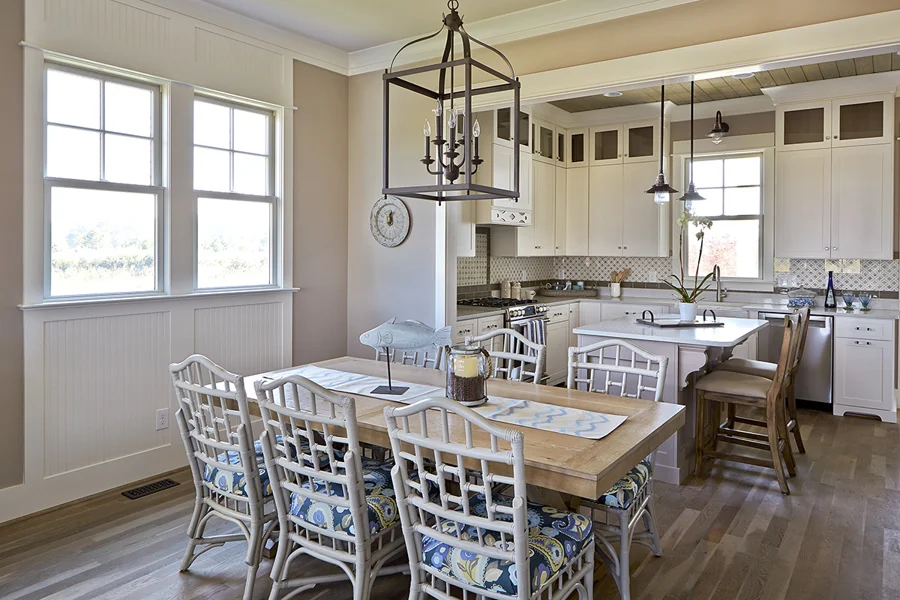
(732, 333)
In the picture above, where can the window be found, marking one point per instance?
(102, 185)
(234, 185)
(732, 188)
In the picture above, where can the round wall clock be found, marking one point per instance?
(389, 221)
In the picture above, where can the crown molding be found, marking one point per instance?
(876, 83)
(540, 20)
(733, 106)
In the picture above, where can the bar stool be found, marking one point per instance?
(767, 370)
(731, 388)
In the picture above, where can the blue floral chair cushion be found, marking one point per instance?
(380, 500)
(235, 483)
(624, 491)
(555, 537)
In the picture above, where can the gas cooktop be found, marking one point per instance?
(495, 302)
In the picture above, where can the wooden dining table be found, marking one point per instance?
(566, 464)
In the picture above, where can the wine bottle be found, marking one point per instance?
(830, 302)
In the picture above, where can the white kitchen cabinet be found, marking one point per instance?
(841, 122)
(464, 329)
(835, 203)
(803, 204)
(577, 225)
(560, 149)
(605, 192)
(489, 324)
(503, 168)
(462, 218)
(624, 220)
(606, 145)
(497, 171)
(544, 208)
(503, 127)
(862, 202)
(589, 313)
(557, 349)
(543, 141)
(561, 211)
(574, 321)
(577, 145)
(641, 142)
(864, 375)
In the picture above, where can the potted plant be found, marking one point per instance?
(688, 295)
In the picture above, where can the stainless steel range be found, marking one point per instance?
(515, 312)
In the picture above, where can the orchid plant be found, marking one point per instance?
(690, 295)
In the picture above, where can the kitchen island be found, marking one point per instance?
(691, 353)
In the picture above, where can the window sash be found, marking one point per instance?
(689, 239)
(158, 247)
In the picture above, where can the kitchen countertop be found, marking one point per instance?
(732, 333)
(466, 313)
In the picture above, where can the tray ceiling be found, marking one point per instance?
(726, 88)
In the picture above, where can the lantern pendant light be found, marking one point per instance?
(661, 190)
(691, 195)
(452, 146)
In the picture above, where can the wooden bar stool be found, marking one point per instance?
(767, 370)
(730, 388)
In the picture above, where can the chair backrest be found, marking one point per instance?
(801, 340)
(430, 358)
(790, 345)
(214, 419)
(438, 446)
(515, 357)
(313, 458)
(619, 368)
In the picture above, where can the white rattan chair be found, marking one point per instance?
(428, 358)
(619, 368)
(465, 540)
(227, 467)
(515, 357)
(332, 504)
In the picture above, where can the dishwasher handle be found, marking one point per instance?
(815, 321)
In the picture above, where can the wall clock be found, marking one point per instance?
(389, 221)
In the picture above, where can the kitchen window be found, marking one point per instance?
(732, 186)
(234, 187)
(102, 188)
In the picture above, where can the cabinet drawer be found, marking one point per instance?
(863, 329)
(463, 330)
(489, 324)
(617, 311)
(558, 314)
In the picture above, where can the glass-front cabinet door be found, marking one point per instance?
(560, 147)
(804, 126)
(503, 128)
(578, 147)
(606, 145)
(641, 142)
(543, 140)
(861, 121)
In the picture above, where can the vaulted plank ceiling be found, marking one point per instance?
(726, 88)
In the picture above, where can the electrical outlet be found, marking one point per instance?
(162, 419)
(651, 276)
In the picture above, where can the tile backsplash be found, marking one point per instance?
(485, 270)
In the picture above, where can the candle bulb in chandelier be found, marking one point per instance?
(427, 131)
(476, 133)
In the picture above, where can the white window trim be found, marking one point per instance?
(748, 144)
(272, 197)
(157, 187)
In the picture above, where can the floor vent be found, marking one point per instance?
(150, 488)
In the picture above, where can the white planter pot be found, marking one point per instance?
(615, 290)
(688, 311)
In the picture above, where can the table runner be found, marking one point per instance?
(525, 413)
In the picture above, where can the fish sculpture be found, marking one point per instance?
(406, 335)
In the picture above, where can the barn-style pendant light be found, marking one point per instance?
(691, 195)
(661, 190)
(720, 128)
(455, 159)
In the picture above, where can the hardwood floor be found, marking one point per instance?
(729, 536)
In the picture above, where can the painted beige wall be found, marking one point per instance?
(737, 125)
(12, 402)
(320, 213)
(387, 282)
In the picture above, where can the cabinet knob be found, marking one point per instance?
(827, 137)
(626, 156)
(826, 247)
(834, 248)
(836, 137)
(620, 156)
(620, 247)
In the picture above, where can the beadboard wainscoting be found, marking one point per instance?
(96, 375)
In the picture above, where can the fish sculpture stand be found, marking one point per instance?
(404, 336)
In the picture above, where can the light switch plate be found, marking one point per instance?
(652, 277)
(851, 265)
(162, 419)
(832, 265)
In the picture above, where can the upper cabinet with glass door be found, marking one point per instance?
(640, 142)
(856, 121)
(577, 148)
(606, 145)
(543, 142)
(503, 128)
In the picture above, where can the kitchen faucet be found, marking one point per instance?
(717, 275)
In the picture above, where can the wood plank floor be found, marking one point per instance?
(731, 535)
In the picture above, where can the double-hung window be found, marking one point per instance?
(733, 192)
(234, 175)
(103, 194)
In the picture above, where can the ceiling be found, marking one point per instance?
(725, 88)
(353, 25)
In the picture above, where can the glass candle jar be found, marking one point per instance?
(468, 367)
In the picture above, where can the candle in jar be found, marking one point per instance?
(465, 365)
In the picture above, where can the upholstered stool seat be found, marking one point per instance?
(758, 368)
(735, 384)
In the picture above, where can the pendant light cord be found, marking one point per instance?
(691, 185)
(662, 119)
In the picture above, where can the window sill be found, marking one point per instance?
(52, 304)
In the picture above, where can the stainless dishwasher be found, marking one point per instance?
(814, 376)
